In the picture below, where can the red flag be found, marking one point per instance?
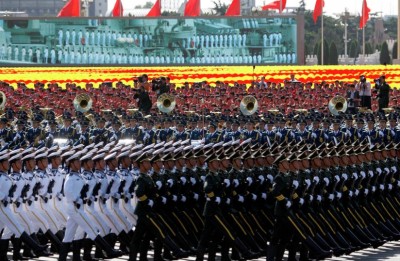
(155, 10)
(275, 5)
(72, 8)
(365, 14)
(118, 9)
(233, 9)
(192, 8)
(319, 7)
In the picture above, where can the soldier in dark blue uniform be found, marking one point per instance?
(6, 134)
(386, 134)
(250, 133)
(36, 134)
(269, 136)
(394, 130)
(67, 131)
(317, 134)
(84, 136)
(287, 134)
(336, 135)
(349, 129)
(213, 136)
(100, 133)
(18, 139)
(180, 133)
(234, 134)
(371, 134)
(301, 134)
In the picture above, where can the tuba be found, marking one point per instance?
(248, 105)
(3, 100)
(166, 103)
(83, 102)
(337, 104)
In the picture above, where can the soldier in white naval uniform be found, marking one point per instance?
(74, 187)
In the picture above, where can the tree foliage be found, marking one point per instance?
(385, 56)
(333, 54)
(326, 53)
(219, 8)
(394, 51)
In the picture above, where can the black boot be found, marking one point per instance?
(64, 251)
(32, 244)
(87, 249)
(316, 251)
(144, 248)
(76, 250)
(177, 252)
(158, 247)
(124, 241)
(109, 251)
(3, 249)
(55, 241)
(271, 253)
(16, 242)
(245, 251)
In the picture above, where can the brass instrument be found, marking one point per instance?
(3, 100)
(83, 102)
(248, 105)
(91, 118)
(337, 104)
(166, 103)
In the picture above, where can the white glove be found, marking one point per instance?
(295, 184)
(366, 192)
(228, 201)
(196, 196)
(254, 197)
(193, 181)
(164, 200)
(326, 181)
(151, 203)
(279, 134)
(249, 180)
(203, 178)
(381, 187)
(308, 182)
(371, 173)
(381, 133)
(350, 193)
(170, 182)
(264, 195)
(348, 133)
(270, 178)
(319, 198)
(183, 180)
(261, 179)
(146, 136)
(288, 204)
(183, 199)
(394, 169)
(356, 192)
(363, 174)
(292, 135)
(344, 176)
(390, 186)
(379, 170)
(316, 179)
(339, 195)
(227, 182)
(314, 135)
(398, 183)
(241, 199)
(359, 134)
(337, 178)
(174, 198)
(326, 136)
(301, 201)
(311, 198)
(355, 176)
(373, 189)
(218, 200)
(331, 197)
(159, 184)
(236, 183)
(387, 170)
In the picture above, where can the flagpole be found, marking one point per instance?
(280, 6)
(363, 43)
(120, 8)
(322, 33)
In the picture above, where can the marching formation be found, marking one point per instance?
(247, 185)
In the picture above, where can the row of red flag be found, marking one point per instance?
(192, 8)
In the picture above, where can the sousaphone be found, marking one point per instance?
(337, 104)
(83, 102)
(248, 105)
(166, 103)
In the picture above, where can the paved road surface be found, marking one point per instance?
(388, 252)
